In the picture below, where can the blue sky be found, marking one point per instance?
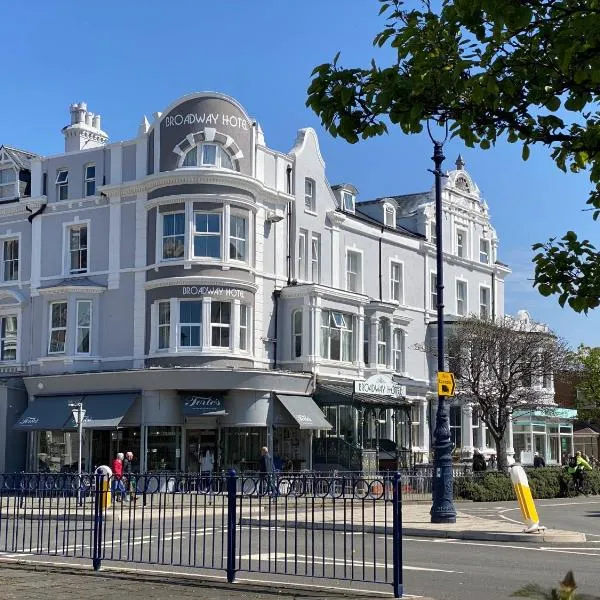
(127, 59)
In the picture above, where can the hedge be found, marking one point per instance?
(492, 486)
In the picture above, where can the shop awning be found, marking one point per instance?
(328, 394)
(103, 411)
(47, 413)
(202, 405)
(304, 411)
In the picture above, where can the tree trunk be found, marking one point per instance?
(501, 456)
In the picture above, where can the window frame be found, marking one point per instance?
(8, 184)
(315, 257)
(432, 233)
(297, 340)
(161, 249)
(220, 152)
(68, 251)
(302, 255)
(465, 300)
(310, 199)
(464, 250)
(79, 327)
(52, 328)
(195, 324)
(358, 274)
(195, 233)
(87, 180)
(235, 240)
(398, 350)
(399, 282)
(388, 209)
(5, 261)
(487, 252)
(489, 297)
(3, 337)
(62, 183)
(433, 290)
(244, 309)
(347, 336)
(221, 325)
(163, 326)
(351, 206)
(383, 341)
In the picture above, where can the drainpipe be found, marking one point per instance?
(289, 225)
(33, 215)
(276, 296)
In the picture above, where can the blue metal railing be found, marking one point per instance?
(340, 526)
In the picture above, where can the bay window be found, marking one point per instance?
(398, 351)
(383, 328)
(338, 332)
(244, 322)
(8, 337)
(297, 334)
(84, 325)
(8, 183)
(173, 235)
(220, 321)
(164, 324)
(207, 235)
(238, 233)
(58, 327)
(190, 323)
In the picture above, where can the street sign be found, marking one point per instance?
(446, 383)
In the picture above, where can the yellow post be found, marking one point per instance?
(105, 493)
(526, 503)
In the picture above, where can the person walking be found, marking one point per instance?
(128, 478)
(538, 461)
(117, 476)
(207, 466)
(479, 464)
(266, 473)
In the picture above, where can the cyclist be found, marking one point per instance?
(576, 468)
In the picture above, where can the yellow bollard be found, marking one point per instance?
(105, 495)
(526, 503)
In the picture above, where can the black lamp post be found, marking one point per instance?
(442, 508)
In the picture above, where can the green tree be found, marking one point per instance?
(524, 70)
(588, 383)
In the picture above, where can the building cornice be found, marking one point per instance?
(195, 176)
(21, 206)
(70, 288)
(321, 291)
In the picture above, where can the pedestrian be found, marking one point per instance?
(117, 476)
(266, 472)
(479, 464)
(538, 461)
(128, 478)
(207, 466)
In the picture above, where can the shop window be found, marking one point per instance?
(383, 328)
(10, 260)
(244, 319)
(310, 201)
(396, 282)
(208, 155)
(207, 235)
(337, 336)
(190, 323)
(78, 249)
(58, 327)
(164, 325)
(220, 319)
(173, 235)
(163, 449)
(84, 326)
(238, 233)
(8, 337)
(353, 271)
(398, 351)
(58, 451)
(242, 447)
(297, 333)
(62, 184)
(89, 177)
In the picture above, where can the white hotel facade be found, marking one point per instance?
(198, 290)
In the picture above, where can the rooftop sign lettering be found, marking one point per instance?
(206, 119)
(211, 290)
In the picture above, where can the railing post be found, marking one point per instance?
(231, 524)
(397, 536)
(98, 522)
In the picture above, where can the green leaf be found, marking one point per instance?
(525, 152)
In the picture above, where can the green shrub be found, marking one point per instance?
(547, 482)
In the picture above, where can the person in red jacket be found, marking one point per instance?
(117, 475)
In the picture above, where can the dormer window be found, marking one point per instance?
(348, 200)
(389, 215)
(8, 183)
(208, 155)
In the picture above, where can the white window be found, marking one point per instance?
(315, 257)
(484, 251)
(58, 327)
(220, 320)
(433, 291)
(238, 234)
(546, 380)
(461, 298)
(383, 340)
(396, 282)
(398, 351)
(432, 232)
(78, 249)
(353, 271)
(84, 326)
(337, 336)
(461, 243)
(90, 180)
(173, 235)
(164, 324)
(10, 260)
(208, 155)
(62, 184)
(207, 235)
(190, 323)
(484, 302)
(297, 334)
(8, 183)
(348, 201)
(244, 319)
(302, 255)
(389, 216)
(8, 337)
(310, 201)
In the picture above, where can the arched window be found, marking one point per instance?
(208, 155)
(297, 333)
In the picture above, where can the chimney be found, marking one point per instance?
(84, 131)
